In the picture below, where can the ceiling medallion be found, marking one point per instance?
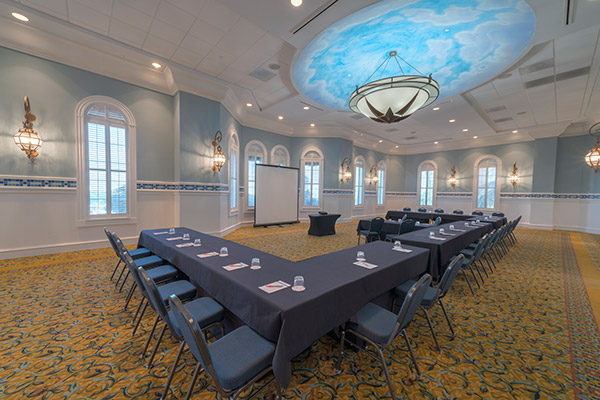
(395, 98)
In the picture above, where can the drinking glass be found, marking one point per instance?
(255, 263)
(417, 223)
(223, 252)
(398, 244)
(466, 224)
(360, 256)
(186, 236)
(197, 242)
(477, 221)
(171, 231)
(298, 283)
(441, 230)
(431, 234)
(452, 227)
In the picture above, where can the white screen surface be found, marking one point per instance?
(276, 195)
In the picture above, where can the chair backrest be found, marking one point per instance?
(411, 304)
(449, 275)
(407, 226)
(111, 240)
(479, 247)
(477, 213)
(406, 209)
(457, 212)
(437, 221)
(129, 263)
(155, 299)
(422, 209)
(497, 214)
(376, 224)
(192, 334)
(439, 210)
(403, 218)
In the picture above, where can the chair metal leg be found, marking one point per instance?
(482, 267)
(412, 354)
(137, 310)
(468, 283)
(172, 373)
(150, 337)
(140, 319)
(120, 275)
(487, 261)
(124, 280)
(387, 374)
(435, 339)
(115, 270)
(129, 296)
(278, 389)
(191, 389)
(160, 336)
(473, 264)
(474, 277)
(447, 317)
(338, 366)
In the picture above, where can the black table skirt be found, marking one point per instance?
(322, 224)
(496, 222)
(426, 216)
(335, 288)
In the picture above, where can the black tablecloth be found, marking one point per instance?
(335, 288)
(425, 216)
(322, 224)
(496, 222)
(442, 251)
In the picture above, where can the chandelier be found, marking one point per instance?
(26, 138)
(593, 157)
(218, 157)
(395, 98)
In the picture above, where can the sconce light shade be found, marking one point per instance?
(514, 177)
(452, 181)
(26, 138)
(219, 157)
(346, 172)
(373, 175)
(592, 158)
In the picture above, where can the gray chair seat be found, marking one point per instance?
(150, 261)
(239, 356)
(139, 253)
(468, 253)
(392, 237)
(204, 309)
(402, 291)
(374, 322)
(182, 289)
(162, 273)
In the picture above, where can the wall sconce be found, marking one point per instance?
(346, 172)
(373, 176)
(592, 158)
(452, 181)
(26, 138)
(219, 157)
(514, 177)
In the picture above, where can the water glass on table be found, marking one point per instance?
(186, 236)
(255, 263)
(298, 284)
(223, 252)
(171, 231)
(360, 256)
(397, 244)
(197, 242)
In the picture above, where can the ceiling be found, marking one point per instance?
(243, 52)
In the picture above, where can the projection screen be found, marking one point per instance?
(276, 195)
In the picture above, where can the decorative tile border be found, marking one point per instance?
(37, 183)
(455, 194)
(570, 196)
(338, 191)
(406, 194)
(182, 187)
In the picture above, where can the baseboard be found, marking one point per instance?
(230, 229)
(583, 229)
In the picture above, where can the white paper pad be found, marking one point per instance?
(161, 233)
(436, 238)
(402, 249)
(365, 264)
(175, 238)
(233, 267)
(184, 244)
(458, 230)
(211, 254)
(274, 286)
(447, 234)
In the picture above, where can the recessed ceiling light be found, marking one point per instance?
(361, 134)
(397, 146)
(435, 142)
(280, 117)
(20, 17)
(156, 65)
(381, 141)
(306, 107)
(515, 131)
(474, 137)
(312, 125)
(435, 108)
(465, 130)
(248, 104)
(296, 3)
(452, 120)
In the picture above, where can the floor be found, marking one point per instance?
(529, 333)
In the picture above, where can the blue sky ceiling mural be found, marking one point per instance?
(461, 43)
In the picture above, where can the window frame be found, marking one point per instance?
(84, 218)
(381, 174)
(427, 165)
(287, 154)
(234, 190)
(476, 167)
(359, 182)
(321, 161)
(247, 154)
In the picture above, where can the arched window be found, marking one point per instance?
(486, 182)
(312, 171)
(359, 181)
(234, 151)
(280, 156)
(256, 153)
(381, 183)
(106, 160)
(427, 182)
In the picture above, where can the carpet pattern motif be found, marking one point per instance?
(529, 333)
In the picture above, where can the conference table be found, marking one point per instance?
(426, 216)
(335, 288)
(496, 222)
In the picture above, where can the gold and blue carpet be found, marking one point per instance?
(530, 333)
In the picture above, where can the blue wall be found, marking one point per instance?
(573, 175)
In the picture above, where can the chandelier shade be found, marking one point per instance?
(592, 158)
(26, 137)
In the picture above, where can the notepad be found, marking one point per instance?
(447, 234)
(160, 233)
(402, 249)
(365, 264)
(436, 238)
(184, 244)
(211, 254)
(233, 267)
(175, 238)
(458, 230)
(274, 286)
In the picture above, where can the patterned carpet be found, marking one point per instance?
(530, 333)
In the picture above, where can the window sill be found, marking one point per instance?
(233, 213)
(93, 222)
